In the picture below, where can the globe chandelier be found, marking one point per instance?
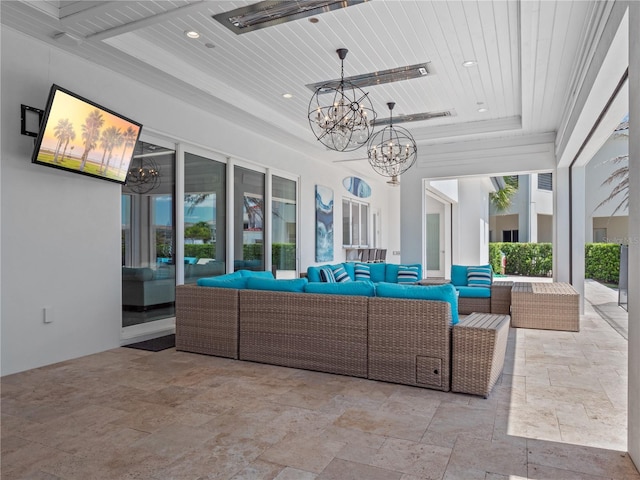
(344, 122)
(143, 175)
(392, 150)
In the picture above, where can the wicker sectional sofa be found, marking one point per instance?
(394, 340)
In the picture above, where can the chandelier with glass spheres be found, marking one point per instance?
(392, 150)
(341, 116)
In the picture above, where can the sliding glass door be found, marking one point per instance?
(283, 226)
(148, 237)
(204, 218)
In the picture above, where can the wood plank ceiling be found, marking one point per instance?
(528, 53)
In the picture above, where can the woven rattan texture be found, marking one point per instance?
(501, 297)
(546, 306)
(408, 335)
(479, 346)
(327, 333)
(207, 320)
(468, 305)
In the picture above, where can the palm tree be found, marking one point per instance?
(128, 140)
(110, 138)
(501, 199)
(90, 134)
(62, 131)
(621, 190)
(70, 137)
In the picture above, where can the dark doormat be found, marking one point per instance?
(155, 344)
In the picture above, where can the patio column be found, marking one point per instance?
(634, 233)
(578, 215)
(561, 245)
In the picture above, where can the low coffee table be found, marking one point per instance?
(545, 305)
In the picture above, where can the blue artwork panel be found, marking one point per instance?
(356, 186)
(324, 224)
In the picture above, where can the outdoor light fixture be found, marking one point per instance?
(392, 150)
(143, 175)
(341, 115)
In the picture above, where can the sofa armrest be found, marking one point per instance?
(207, 320)
(410, 342)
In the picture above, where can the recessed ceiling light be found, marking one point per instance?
(483, 109)
(314, 20)
(469, 63)
(192, 34)
(209, 45)
(287, 95)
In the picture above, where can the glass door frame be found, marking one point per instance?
(164, 325)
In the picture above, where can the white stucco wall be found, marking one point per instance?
(61, 231)
(472, 242)
(597, 171)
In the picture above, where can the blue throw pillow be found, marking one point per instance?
(362, 271)
(444, 293)
(340, 274)
(289, 285)
(313, 274)
(326, 275)
(359, 288)
(479, 276)
(407, 274)
(459, 275)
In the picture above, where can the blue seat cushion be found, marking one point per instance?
(220, 282)
(474, 292)
(361, 288)
(289, 285)
(256, 274)
(444, 293)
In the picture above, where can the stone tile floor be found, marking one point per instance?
(558, 412)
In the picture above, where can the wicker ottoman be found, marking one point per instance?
(501, 297)
(479, 346)
(546, 306)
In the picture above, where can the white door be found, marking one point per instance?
(435, 238)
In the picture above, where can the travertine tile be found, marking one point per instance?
(497, 456)
(384, 423)
(295, 474)
(345, 470)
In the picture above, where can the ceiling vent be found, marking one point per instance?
(377, 78)
(415, 117)
(269, 13)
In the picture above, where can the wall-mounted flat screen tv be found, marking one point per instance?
(81, 136)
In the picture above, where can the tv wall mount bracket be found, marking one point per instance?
(27, 120)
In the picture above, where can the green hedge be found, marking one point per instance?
(602, 262)
(283, 255)
(527, 259)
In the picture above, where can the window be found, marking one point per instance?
(248, 210)
(283, 226)
(545, 181)
(510, 236)
(204, 218)
(355, 223)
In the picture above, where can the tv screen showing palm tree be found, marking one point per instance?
(83, 137)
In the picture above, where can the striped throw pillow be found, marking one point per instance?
(407, 274)
(363, 272)
(326, 275)
(340, 274)
(479, 276)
